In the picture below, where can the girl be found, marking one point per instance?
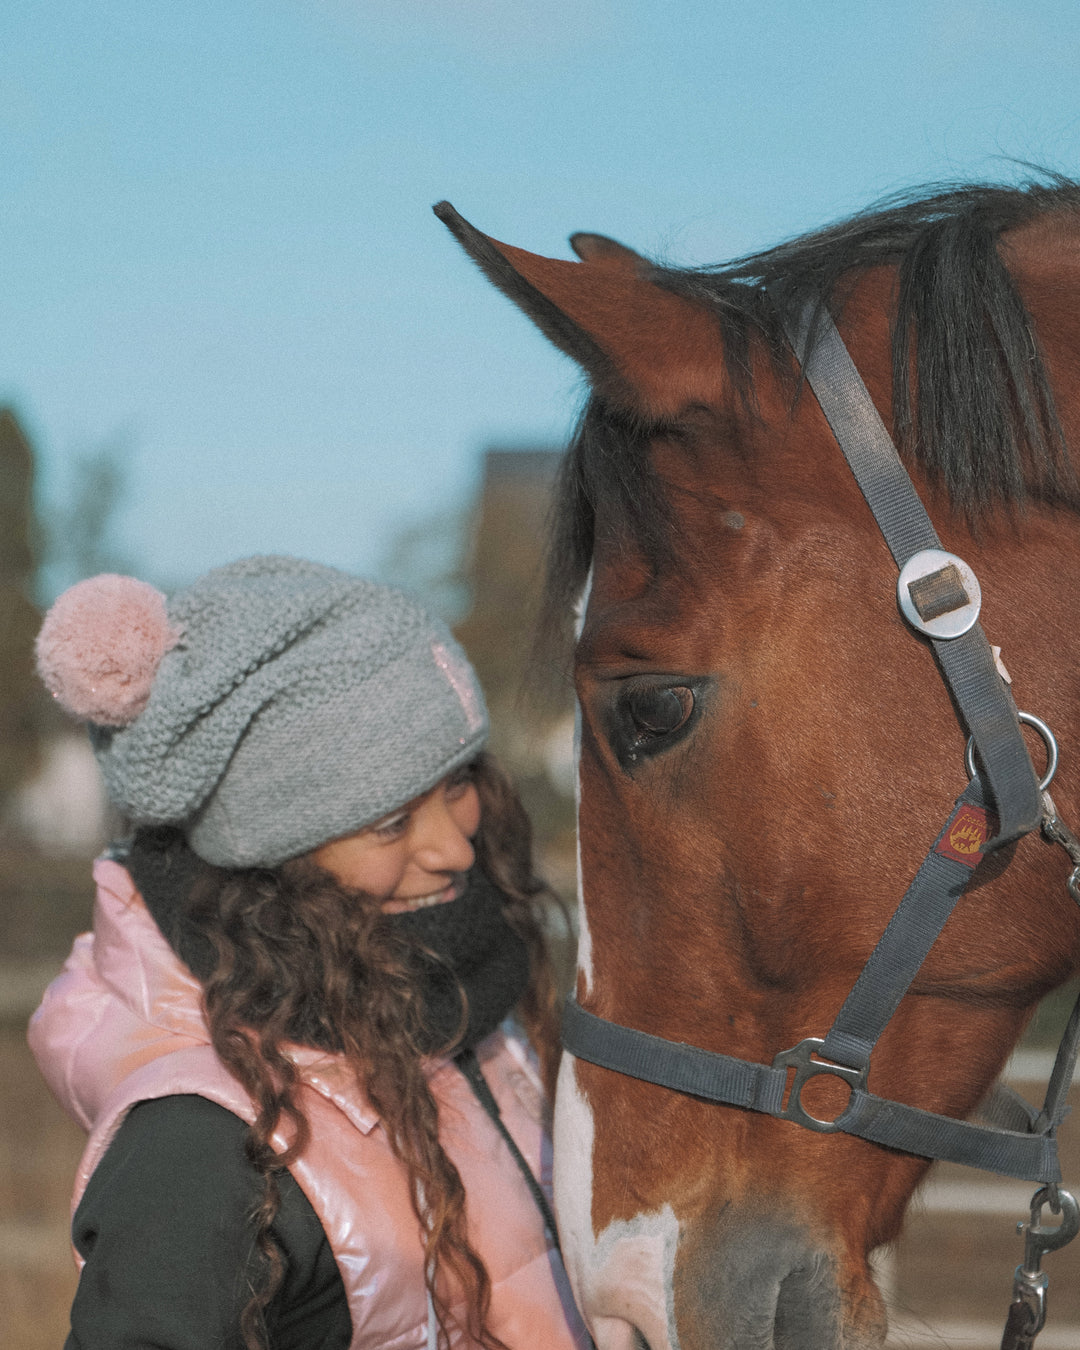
(310, 1123)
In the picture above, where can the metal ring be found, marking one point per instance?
(1049, 740)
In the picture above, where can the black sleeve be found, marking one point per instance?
(165, 1231)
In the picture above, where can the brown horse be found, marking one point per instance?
(767, 750)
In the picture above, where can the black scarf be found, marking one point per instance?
(465, 945)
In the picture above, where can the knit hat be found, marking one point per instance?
(272, 706)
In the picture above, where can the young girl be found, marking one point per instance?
(311, 1124)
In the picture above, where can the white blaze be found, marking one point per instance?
(622, 1279)
(584, 945)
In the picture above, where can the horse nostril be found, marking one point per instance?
(640, 1343)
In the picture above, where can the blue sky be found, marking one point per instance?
(217, 249)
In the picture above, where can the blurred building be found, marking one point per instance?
(528, 690)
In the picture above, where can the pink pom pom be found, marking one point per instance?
(100, 646)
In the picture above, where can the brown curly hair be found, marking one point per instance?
(299, 960)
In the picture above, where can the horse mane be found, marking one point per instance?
(984, 423)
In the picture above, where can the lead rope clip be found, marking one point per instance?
(1027, 1312)
(1057, 832)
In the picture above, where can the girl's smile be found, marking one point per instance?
(418, 855)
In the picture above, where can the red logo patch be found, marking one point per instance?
(966, 836)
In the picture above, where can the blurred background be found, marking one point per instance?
(232, 325)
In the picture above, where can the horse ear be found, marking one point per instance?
(599, 248)
(642, 347)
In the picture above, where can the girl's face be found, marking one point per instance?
(416, 856)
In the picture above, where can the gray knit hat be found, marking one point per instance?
(272, 706)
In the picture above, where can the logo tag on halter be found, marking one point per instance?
(966, 836)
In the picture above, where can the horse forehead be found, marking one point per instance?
(745, 578)
(745, 500)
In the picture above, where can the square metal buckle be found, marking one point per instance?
(799, 1059)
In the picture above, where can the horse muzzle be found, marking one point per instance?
(753, 1281)
(740, 1282)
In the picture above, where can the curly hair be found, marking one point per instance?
(299, 960)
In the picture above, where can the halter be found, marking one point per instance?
(940, 598)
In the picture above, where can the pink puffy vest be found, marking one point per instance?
(123, 1024)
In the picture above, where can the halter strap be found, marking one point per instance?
(966, 662)
(729, 1081)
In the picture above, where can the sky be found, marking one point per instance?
(217, 252)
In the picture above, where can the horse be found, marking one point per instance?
(767, 748)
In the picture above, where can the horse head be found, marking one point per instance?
(767, 750)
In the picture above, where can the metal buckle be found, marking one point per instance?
(798, 1058)
(947, 609)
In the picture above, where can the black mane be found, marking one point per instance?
(984, 424)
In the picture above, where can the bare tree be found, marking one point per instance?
(85, 544)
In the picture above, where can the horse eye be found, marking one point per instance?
(659, 711)
(648, 715)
